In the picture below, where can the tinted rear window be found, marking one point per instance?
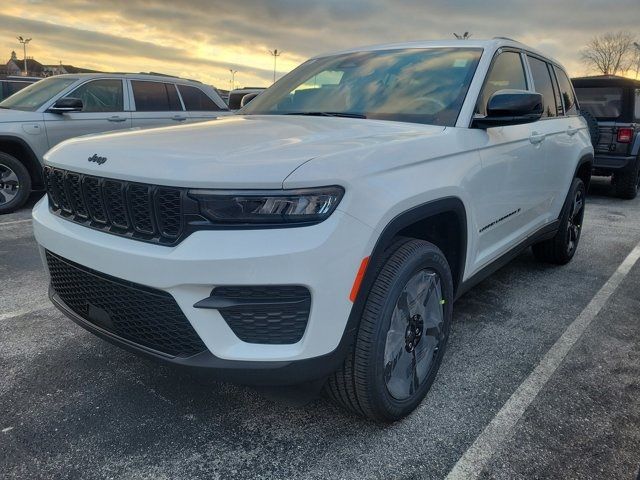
(155, 96)
(601, 102)
(196, 100)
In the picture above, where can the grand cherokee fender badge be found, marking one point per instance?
(99, 160)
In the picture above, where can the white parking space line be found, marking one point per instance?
(470, 465)
(24, 311)
(15, 222)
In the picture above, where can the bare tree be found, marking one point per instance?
(464, 36)
(609, 53)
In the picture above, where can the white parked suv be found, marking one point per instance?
(323, 234)
(57, 108)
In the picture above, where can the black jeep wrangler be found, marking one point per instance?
(611, 106)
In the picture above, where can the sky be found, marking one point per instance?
(203, 39)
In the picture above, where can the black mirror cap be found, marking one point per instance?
(511, 107)
(68, 104)
(247, 98)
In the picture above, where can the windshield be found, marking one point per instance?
(410, 85)
(601, 102)
(31, 98)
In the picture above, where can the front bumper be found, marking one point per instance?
(324, 258)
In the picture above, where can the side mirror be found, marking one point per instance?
(247, 98)
(67, 105)
(511, 107)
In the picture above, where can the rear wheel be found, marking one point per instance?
(15, 183)
(627, 184)
(562, 247)
(402, 335)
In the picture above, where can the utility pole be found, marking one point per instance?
(637, 45)
(233, 78)
(24, 42)
(275, 54)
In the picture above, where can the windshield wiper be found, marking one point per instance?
(329, 114)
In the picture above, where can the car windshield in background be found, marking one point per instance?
(601, 102)
(32, 97)
(409, 85)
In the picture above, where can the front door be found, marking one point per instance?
(102, 111)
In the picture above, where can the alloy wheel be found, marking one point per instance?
(574, 226)
(415, 335)
(9, 184)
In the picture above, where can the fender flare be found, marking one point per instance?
(31, 161)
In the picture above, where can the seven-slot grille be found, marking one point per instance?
(144, 212)
(140, 314)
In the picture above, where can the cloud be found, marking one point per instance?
(204, 38)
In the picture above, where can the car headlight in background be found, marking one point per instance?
(271, 207)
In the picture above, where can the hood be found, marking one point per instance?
(231, 152)
(8, 115)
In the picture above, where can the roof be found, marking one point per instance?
(605, 81)
(491, 45)
(145, 76)
(32, 65)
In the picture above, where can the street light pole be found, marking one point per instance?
(233, 78)
(275, 54)
(637, 45)
(24, 42)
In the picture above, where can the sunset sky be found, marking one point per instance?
(203, 39)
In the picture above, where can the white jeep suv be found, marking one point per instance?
(58, 108)
(322, 235)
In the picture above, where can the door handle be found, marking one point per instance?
(572, 131)
(117, 119)
(178, 118)
(536, 137)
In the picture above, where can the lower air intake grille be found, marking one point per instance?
(282, 322)
(142, 315)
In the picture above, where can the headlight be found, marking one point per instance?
(304, 206)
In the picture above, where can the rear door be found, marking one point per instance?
(156, 104)
(512, 203)
(103, 111)
(198, 104)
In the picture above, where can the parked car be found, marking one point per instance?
(57, 108)
(322, 236)
(237, 96)
(614, 103)
(11, 84)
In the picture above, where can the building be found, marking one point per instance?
(15, 66)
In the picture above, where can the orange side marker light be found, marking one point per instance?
(358, 280)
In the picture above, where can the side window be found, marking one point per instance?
(568, 95)
(506, 72)
(13, 87)
(195, 100)
(637, 104)
(543, 84)
(155, 96)
(100, 96)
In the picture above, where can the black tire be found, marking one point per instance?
(627, 184)
(362, 384)
(15, 183)
(592, 123)
(562, 247)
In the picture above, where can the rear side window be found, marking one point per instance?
(506, 72)
(543, 84)
(195, 100)
(13, 87)
(601, 102)
(155, 96)
(100, 96)
(566, 91)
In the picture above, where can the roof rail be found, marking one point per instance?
(505, 38)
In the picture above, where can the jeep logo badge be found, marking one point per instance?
(99, 160)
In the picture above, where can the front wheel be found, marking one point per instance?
(402, 335)
(562, 247)
(15, 183)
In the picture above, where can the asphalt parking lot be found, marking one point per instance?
(73, 406)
